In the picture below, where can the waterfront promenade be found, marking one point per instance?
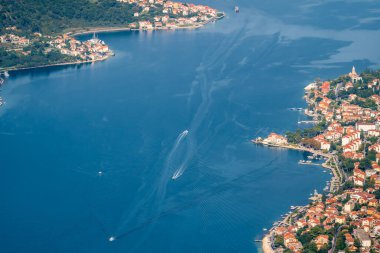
(331, 163)
(337, 181)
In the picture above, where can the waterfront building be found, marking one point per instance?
(277, 139)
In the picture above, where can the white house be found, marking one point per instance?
(365, 126)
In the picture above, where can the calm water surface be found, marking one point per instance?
(180, 104)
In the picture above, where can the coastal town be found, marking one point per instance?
(23, 49)
(90, 50)
(75, 50)
(346, 217)
(185, 15)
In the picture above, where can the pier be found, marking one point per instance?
(296, 109)
(331, 163)
(4, 74)
(308, 163)
(307, 122)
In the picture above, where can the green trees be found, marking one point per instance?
(310, 248)
(300, 134)
(340, 242)
(279, 241)
(371, 155)
(53, 16)
(365, 164)
(367, 103)
(377, 194)
(36, 57)
(347, 164)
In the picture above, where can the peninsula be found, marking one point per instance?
(346, 217)
(38, 34)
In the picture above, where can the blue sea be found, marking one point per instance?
(152, 147)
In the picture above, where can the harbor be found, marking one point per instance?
(330, 161)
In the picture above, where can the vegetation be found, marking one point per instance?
(279, 241)
(36, 20)
(37, 56)
(54, 16)
(301, 134)
(377, 194)
(367, 103)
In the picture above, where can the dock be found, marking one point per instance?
(331, 163)
(308, 163)
(4, 74)
(307, 122)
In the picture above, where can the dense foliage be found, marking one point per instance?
(304, 135)
(37, 57)
(53, 16)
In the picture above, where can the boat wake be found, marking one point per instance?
(180, 137)
(178, 173)
(174, 156)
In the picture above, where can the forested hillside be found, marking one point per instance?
(53, 16)
(37, 32)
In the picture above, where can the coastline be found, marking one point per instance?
(267, 240)
(336, 181)
(55, 64)
(89, 30)
(337, 174)
(84, 31)
(266, 243)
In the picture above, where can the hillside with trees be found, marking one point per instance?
(54, 16)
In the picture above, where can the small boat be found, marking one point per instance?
(237, 9)
(111, 239)
(6, 74)
(1, 81)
